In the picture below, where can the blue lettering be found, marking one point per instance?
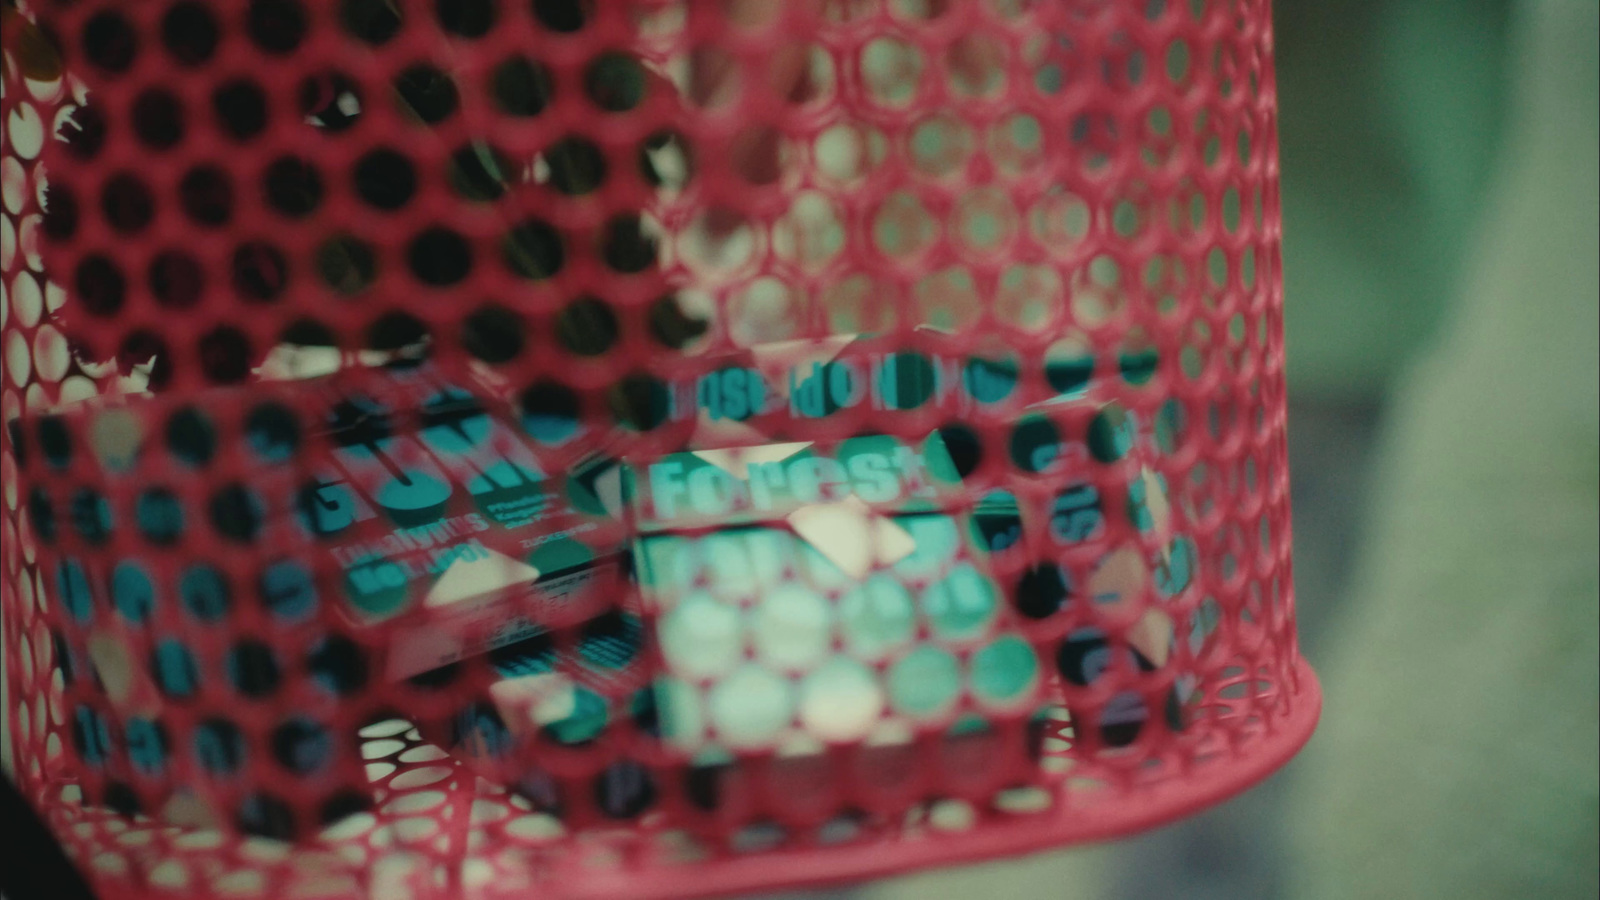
(756, 387)
(805, 396)
(844, 384)
(1076, 516)
(875, 480)
(734, 398)
(765, 478)
(666, 486)
(710, 396)
(712, 491)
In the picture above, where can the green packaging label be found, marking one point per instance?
(753, 484)
(768, 645)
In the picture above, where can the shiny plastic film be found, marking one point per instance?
(649, 448)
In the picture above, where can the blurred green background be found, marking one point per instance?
(1442, 214)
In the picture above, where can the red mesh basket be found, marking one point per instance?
(645, 449)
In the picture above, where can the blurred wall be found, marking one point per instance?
(1459, 753)
(1390, 115)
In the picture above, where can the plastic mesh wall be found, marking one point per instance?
(637, 448)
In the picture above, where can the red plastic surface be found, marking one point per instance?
(1046, 231)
